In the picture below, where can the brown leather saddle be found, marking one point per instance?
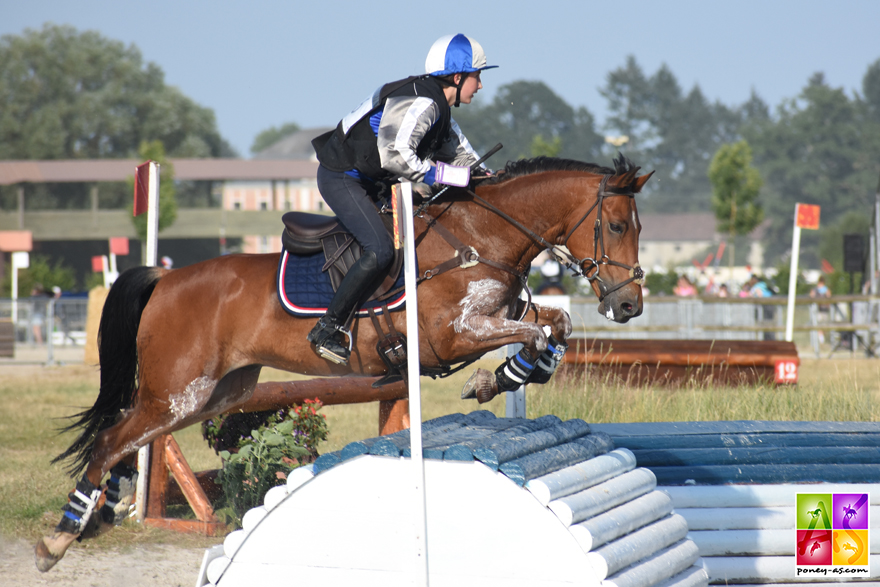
(309, 234)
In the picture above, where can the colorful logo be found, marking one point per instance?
(832, 533)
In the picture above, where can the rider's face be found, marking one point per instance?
(471, 86)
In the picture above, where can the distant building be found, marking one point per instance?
(671, 240)
(282, 196)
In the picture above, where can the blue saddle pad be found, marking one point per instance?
(305, 290)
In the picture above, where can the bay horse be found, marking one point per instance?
(179, 346)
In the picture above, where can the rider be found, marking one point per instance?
(404, 130)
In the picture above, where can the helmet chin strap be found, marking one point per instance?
(458, 89)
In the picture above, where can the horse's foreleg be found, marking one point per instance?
(558, 322)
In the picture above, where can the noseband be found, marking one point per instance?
(585, 266)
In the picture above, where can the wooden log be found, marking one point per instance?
(633, 547)
(602, 497)
(760, 569)
(694, 576)
(764, 474)
(206, 479)
(189, 485)
(674, 361)
(754, 518)
(761, 455)
(662, 565)
(554, 458)
(331, 391)
(621, 520)
(581, 476)
(726, 440)
(758, 496)
(158, 483)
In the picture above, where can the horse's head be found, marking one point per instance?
(603, 238)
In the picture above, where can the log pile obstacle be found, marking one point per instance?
(679, 361)
(511, 502)
(199, 489)
(736, 485)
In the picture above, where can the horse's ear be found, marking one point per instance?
(623, 180)
(640, 182)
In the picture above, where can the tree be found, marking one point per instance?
(821, 148)
(41, 274)
(71, 95)
(523, 110)
(542, 148)
(155, 151)
(735, 188)
(272, 135)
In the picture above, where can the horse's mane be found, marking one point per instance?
(514, 169)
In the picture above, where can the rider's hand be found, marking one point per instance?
(421, 191)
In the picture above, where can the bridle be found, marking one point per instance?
(585, 266)
(560, 250)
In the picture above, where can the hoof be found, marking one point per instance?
(481, 386)
(50, 549)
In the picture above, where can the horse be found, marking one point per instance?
(179, 346)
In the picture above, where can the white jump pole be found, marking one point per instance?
(143, 460)
(792, 280)
(413, 385)
(805, 216)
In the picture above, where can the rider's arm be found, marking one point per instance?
(405, 121)
(457, 150)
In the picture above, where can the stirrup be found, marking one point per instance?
(325, 336)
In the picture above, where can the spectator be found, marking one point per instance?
(723, 291)
(684, 287)
(820, 290)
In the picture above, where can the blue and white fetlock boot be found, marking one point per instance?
(515, 371)
(79, 508)
(119, 494)
(548, 361)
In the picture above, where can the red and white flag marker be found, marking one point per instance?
(805, 216)
(146, 199)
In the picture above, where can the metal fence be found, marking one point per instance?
(51, 328)
(851, 322)
(44, 326)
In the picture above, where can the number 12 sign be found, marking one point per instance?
(786, 371)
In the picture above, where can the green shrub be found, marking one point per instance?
(263, 458)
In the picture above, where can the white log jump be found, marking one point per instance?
(343, 519)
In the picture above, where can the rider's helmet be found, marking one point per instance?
(453, 54)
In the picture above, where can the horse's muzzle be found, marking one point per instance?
(621, 305)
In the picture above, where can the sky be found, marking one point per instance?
(263, 63)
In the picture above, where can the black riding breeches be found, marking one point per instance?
(354, 207)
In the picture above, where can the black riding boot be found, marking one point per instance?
(329, 333)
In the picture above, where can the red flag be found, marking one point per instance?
(141, 187)
(827, 267)
(98, 264)
(119, 245)
(807, 216)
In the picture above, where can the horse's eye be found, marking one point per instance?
(618, 228)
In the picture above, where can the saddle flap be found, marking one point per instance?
(342, 251)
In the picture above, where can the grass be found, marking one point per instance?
(34, 401)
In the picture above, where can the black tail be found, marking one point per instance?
(117, 352)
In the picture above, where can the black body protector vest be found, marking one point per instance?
(342, 151)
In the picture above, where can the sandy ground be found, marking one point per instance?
(92, 565)
(140, 566)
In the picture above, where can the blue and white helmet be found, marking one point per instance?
(455, 54)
